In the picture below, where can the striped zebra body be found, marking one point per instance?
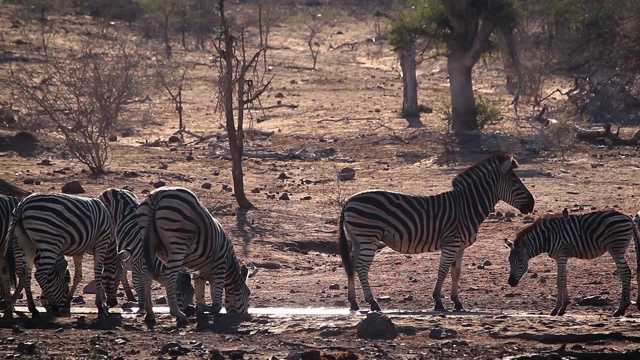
(7, 205)
(179, 229)
(51, 225)
(123, 206)
(415, 224)
(585, 236)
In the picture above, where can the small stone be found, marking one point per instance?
(45, 162)
(377, 326)
(284, 196)
(596, 300)
(279, 95)
(174, 139)
(255, 190)
(283, 176)
(334, 287)
(90, 288)
(27, 347)
(271, 196)
(17, 329)
(486, 263)
(499, 214)
(29, 181)
(347, 174)
(408, 298)
(226, 188)
(159, 183)
(73, 187)
(190, 157)
(438, 333)
(206, 185)
(305, 198)
(78, 299)
(113, 137)
(161, 300)
(509, 214)
(163, 166)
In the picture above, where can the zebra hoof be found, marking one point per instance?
(189, 311)
(618, 313)
(150, 318)
(375, 306)
(554, 312)
(112, 302)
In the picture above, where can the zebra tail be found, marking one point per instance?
(150, 242)
(345, 249)
(636, 240)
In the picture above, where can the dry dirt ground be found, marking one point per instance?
(346, 117)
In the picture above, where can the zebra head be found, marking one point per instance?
(518, 260)
(59, 279)
(510, 188)
(237, 294)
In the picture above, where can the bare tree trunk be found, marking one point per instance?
(409, 82)
(236, 137)
(463, 102)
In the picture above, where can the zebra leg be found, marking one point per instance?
(98, 265)
(363, 254)
(201, 304)
(562, 298)
(625, 279)
(6, 287)
(145, 297)
(216, 285)
(456, 270)
(77, 277)
(127, 288)
(447, 257)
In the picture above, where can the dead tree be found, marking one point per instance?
(242, 80)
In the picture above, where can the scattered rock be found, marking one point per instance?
(174, 349)
(377, 326)
(73, 187)
(438, 333)
(255, 190)
(17, 329)
(161, 300)
(27, 347)
(190, 157)
(305, 198)
(174, 139)
(486, 263)
(347, 174)
(271, 196)
(279, 95)
(499, 214)
(206, 185)
(226, 188)
(90, 288)
(596, 300)
(79, 299)
(509, 214)
(45, 162)
(528, 219)
(283, 176)
(29, 181)
(163, 166)
(334, 287)
(130, 174)
(159, 183)
(113, 137)
(284, 196)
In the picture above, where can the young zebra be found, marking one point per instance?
(49, 225)
(415, 224)
(123, 206)
(182, 232)
(585, 236)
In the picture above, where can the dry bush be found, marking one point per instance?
(83, 94)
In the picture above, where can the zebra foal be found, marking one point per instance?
(50, 225)
(585, 236)
(415, 224)
(181, 231)
(123, 206)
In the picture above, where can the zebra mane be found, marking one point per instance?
(537, 222)
(483, 166)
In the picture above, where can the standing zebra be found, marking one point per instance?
(585, 236)
(415, 224)
(179, 229)
(54, 224)
(123, 206)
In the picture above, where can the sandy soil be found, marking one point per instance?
(346, 116)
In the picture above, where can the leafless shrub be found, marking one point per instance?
(83, 95)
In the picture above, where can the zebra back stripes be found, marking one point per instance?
(123, 206)
(414, 224)
(49, 225)
(179, 229)
(585, 236)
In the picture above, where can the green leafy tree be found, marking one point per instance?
(463, 27)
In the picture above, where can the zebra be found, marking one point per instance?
(410, 224)
(180, 230)
(585, 236)
(123, 206)
(50, 224)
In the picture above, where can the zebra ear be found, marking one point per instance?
(124, 255)
(254, 270)
(508, 165)
(508, 243)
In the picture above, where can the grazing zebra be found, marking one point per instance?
(179, 229)
(7, 205)
(52, 224)
(585, 236)
(414, 224)
(123, 206)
